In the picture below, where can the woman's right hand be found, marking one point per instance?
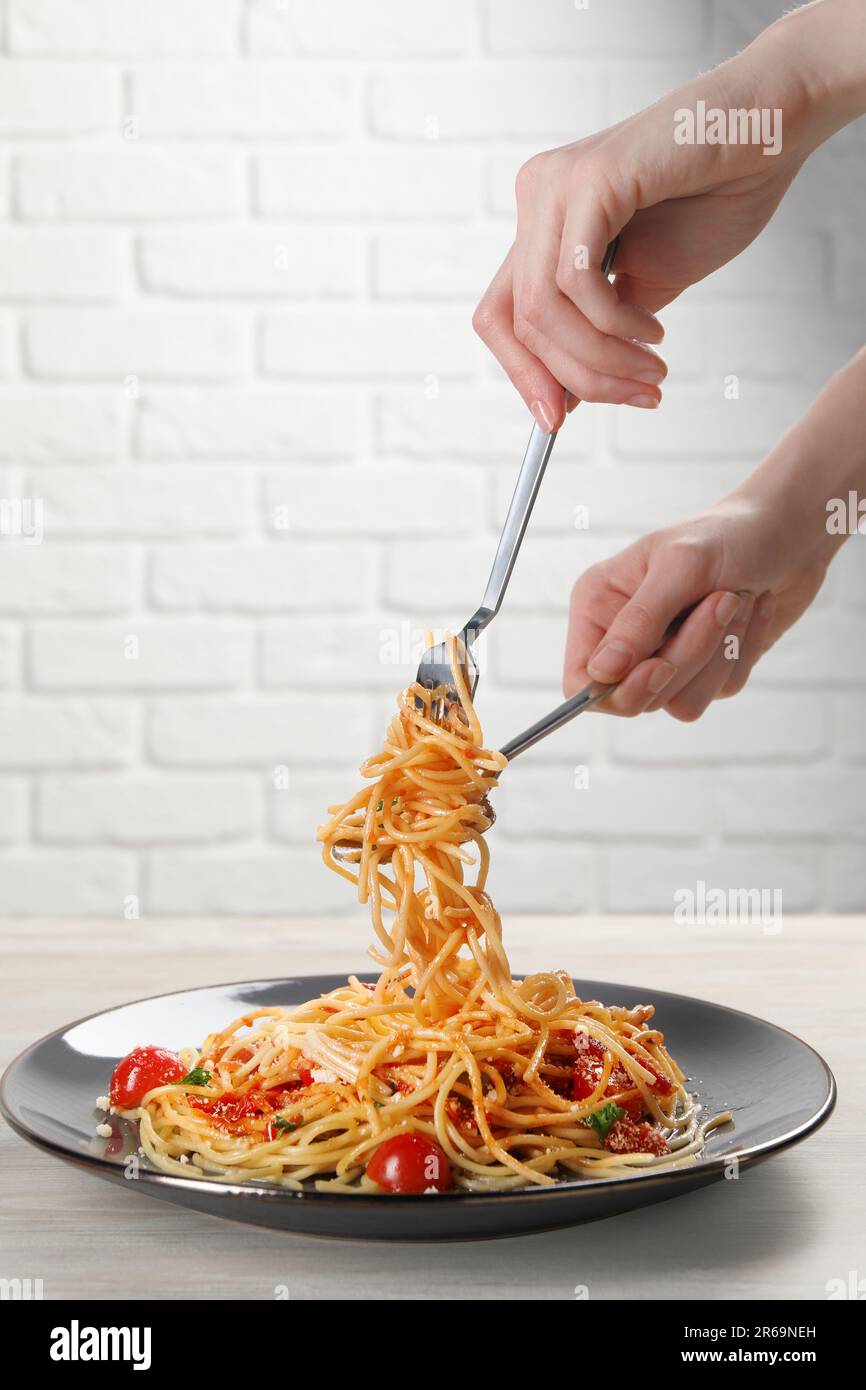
(681, 210)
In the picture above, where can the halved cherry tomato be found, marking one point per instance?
(410, 1163)
(141, 1070)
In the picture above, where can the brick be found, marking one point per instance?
(849, 568)
(46, 426)
(53, 733)
(171, 656)
(504, 713)
(614, 805)
(301, 263)
(850, 268)
(298, 808)
(771, 351)
(44, 98)
(549, 878)
(822, 650)
(132, 184)
(849, 726)
(261, 733)
(390, 28)
(76, 884)
(320, 577)
(698, 422)
(384, 185)
(250, 99)
(529, 651)
(378, 501)
(141, 811)
(782, 804)
(828, 183)
(159, 502)
(317, 653)
(253, 883)
(260, 424)
(85, 27)
(753, 727)
(620, 498)
(111, 344)
(441, 265)
(65, 579)
(544, 574)
(550, 27)
(9, 658)
(843, 876)
(13, 810)
(646, 880)
(473, 422)
(59, 265)
(483, 102)
(339, 344)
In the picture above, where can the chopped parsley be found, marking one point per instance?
(283, 1125)
(603, 1120)
(197, 1077)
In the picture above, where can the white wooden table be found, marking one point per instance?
(791, 1225)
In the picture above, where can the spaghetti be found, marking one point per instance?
(447, 1071)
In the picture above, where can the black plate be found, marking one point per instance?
(779, 1089)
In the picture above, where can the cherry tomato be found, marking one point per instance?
(140, 1071)
(410, 1163)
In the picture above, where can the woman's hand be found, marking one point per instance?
(746, 570)
(681, 210)
(735, 567)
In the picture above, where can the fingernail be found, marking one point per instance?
(727, 608)
(610, 662)
(644, 402)
(652, 376)
(543, 415)
(662, 675)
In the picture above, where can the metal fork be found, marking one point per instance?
(434, 671)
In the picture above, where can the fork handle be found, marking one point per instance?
(584, 699)
(538, 451)
(590, 695)
(535, 459)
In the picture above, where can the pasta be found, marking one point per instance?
(447, 1071)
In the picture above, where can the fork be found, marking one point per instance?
(434, 671)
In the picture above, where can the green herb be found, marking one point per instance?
(603, 1120)
(197, 1077)
(283, 1125)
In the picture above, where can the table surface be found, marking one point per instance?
(791, 1225)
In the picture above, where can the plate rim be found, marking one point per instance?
(710, 1166)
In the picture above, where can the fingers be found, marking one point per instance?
(682, 660)
(753, 645)
(493, 321)
(589, 365)
(548, 324)
(678, 577)
(585, 235)
(699, 681)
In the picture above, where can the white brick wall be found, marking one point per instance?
(240, 243)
